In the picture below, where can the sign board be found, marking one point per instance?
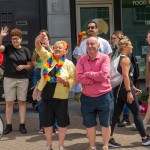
(145, 50)
(135, 3)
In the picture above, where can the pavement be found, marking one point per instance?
(76, 136)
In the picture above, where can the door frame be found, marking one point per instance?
(111, 15)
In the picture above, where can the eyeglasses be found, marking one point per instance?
(14, 39)
(90, 27)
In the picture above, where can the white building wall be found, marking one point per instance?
(58, 19)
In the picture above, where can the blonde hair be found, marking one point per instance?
(64, 43)
(124, 41)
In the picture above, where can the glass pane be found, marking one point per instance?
(99, 15)
(136, 23)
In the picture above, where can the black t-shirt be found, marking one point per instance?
(49, 89)
(13, 58)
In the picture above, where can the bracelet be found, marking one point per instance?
(128, 91)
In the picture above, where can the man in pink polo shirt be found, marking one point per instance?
(93, 72)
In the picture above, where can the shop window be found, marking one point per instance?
(141, 14)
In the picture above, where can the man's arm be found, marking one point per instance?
(103, 74)
(80, 74)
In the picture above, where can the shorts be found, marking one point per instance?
(15, 89)
(102, 106)
(55, 109)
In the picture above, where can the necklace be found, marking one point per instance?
(48, 64)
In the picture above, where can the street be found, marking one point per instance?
(76, 136)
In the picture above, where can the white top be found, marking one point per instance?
(104, 47)
(76, 51)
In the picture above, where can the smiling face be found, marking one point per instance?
(59, 50)
(92, 46)
(16, 41)
(114, 40)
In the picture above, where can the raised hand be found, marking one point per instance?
(4, 31)
(20, 67)
(38, 44)
(45, 43)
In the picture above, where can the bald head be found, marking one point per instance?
(95, 39)
(92, 46)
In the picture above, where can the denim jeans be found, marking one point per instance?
(126, 110)
(36, 76)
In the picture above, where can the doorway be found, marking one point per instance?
(101, 14)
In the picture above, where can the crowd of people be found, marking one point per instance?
(90, 78)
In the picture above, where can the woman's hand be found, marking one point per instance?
(47, 46)
(36, 95)
(45, 43)
(38, 40)
(137, 91)
(62, 81)
(4, 31)
(20, 67)
(130, 98)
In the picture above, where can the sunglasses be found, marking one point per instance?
(90, 27)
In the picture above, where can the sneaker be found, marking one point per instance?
(61, 148)
(48, 148)
(124, 123)
(91, 148)
(105, 148)
(41, 131)
(146, 141)
(55, 131)
(113, 143)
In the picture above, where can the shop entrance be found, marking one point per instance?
(100, 13)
